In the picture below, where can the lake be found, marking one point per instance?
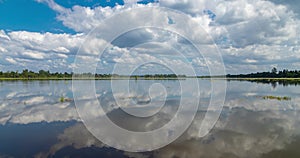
(39, 118)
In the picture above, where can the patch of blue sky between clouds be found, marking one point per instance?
(147, 1)
(211, 14)
(90, 3)
(97, 3)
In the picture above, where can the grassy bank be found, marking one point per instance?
(276, 98)
(157, 78)
(237, 78)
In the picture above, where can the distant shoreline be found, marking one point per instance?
(153, 78)
(233, 78)
(115, 78)
(272, 76)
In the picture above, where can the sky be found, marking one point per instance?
(251, 35)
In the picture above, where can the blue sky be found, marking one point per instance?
(29, 15)
(252, 35)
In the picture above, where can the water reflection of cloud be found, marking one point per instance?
(248, 126)
(243, 134)
(39, 113)
(23, 105)
(37, 101)
(238, 133)
(257, 103)
(76, 136)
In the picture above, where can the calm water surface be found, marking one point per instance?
(35, 123)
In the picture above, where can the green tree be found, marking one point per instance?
(274, 70)
(25, 73)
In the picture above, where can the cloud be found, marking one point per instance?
(3, 35)
(23, 49)
(61, 50)
(34, 55)
(238, 24)
(249, 33)
(292, 4)
(54, 6)
(84, 19)
(192, 7)
(11, 60)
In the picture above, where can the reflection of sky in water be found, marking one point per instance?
(35, 123)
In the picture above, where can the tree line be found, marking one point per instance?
(272, 74)
(26, 74)
(43, 74)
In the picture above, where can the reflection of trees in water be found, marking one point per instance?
(275, 77)
(273, 82)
